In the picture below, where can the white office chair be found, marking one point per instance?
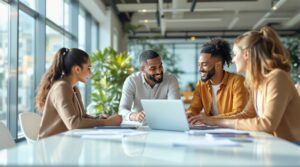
(6, 140)
(30, 125)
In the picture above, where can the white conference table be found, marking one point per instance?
(151, 148)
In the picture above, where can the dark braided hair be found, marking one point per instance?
(218, 48)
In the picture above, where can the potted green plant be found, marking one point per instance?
(110, 70)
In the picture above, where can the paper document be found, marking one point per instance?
(206, 143)
(228, 135)
(99, 132)
(102, 137)
(131, 123)
(219, 130)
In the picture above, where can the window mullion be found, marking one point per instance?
(13, 54)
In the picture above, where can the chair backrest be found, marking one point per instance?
(30, 125)
(6, 139)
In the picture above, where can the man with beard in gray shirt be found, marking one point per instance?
(151, 82)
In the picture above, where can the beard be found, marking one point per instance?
(209, 74)
(152, 77)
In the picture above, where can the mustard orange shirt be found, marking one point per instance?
(232, 96)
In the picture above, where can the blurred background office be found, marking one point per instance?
(31, 31)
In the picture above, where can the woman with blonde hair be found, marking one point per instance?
(274, 103)
(59, 99)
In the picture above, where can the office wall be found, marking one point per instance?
(111, 34)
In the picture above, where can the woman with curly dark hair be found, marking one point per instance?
(219, 92)
(59, 99)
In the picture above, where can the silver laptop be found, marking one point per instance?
(170, 115)
(165, 114)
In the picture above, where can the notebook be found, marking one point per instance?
(116, 127)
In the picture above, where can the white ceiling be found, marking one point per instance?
(215, 17)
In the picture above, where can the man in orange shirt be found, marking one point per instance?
(219, 93)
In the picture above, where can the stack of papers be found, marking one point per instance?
(107, 133)
(219, 130)
(220, 134)
(206, 143)
(228, 134)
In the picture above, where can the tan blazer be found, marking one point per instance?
(280, 111)
(64, 111)
(298, 88)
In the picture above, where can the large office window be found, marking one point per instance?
(59, 12)
(81, 30)
(29, 3)
(28, 42)
(54, 11)
(67, 15)
(67, 42)
(26, 63)
(3, 60)
(187, 63)
(54, 41)
(94, 36)
(82, 44)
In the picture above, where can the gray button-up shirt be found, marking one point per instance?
(136, 88)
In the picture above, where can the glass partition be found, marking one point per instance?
(4, 40)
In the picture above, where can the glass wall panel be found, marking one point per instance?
(67, 12)
(81, 30)
(169, 52)
(67, 42)
(54, 41)
(3, 60)
(26, 64)
(134, 50)
(82, 44)
(94, 36)
(58, 35)
(54, 11)
(187, 63)
(29, 3)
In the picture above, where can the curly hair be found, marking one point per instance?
(219, 48)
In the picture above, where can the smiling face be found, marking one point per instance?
(153, 70)
(206, 66)
(240, 59)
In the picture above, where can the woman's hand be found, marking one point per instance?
(113, 120)
(103, 116)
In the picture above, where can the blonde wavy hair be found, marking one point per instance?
(266, 53)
